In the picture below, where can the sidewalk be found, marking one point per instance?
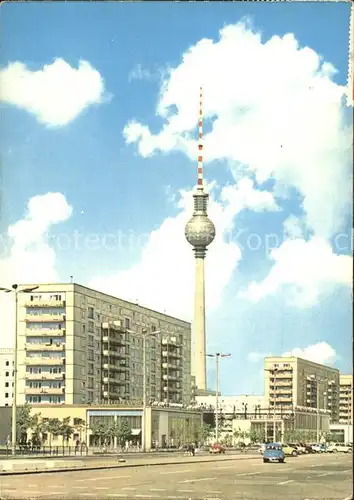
(13, 467)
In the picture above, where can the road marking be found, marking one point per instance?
(226, 467)
(287, 482)
(249, 474)
(117, 495)
(102, 478)
(185, 491)
(87, 494)
(79, 487)
(147, 496)
(176, 471)
(200, 479)
(157, 489)
(101, 488)
(325, 474)
(128, 488)
(55, 486)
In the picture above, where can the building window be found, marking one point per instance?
(6, 384)
(7, 363)
(7, 374)
(90, 313)
(127, 322)
(91, 326)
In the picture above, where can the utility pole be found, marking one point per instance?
(217, 356)
(144, 333)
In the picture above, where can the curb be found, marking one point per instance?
(122, 466)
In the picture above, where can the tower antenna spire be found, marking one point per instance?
(200, 184)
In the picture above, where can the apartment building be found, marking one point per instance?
(295, 382)
(6, 376)
(346, 399)
(80, 346)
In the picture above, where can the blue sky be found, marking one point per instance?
(121, 147)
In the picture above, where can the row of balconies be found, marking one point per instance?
(41, 332)
(44, 390)
(45, 361)
(56, 347)
(283, 398)
(170, 377)
(45, 318)
(171, 366)
(46, 376)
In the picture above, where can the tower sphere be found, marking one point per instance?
(200, 231)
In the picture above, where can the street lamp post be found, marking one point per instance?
(16, 291)
(217, 356)
(144, 333)
(274, 371)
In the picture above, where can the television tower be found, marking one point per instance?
(199, 232)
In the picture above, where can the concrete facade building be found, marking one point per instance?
(200, 232)
(346, 399)
(295, 382)
(6, 376)
(74, 347)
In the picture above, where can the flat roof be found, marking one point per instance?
(107, 295)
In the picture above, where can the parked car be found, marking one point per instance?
(273, 453)
(339, 447)
(217, 448)
(299, 449)
(316, 447)
(289, 450)
(308, 448)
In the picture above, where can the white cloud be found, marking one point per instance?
(164, 277)
(321, 353)
(29, 258)
(139, 73)
(308, 269)
(55, 94)
(275, 111)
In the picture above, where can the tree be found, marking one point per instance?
(66, 431)
(98, 431)
(204, 432)
(24, 421)
(53, 427)
(123, 431)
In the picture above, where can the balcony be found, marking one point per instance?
(171, 366)
(281, 399)
(45, 333)
(45, 361)
(45, 303)
(45, 318)
(45, 347)
(170, 377)
(113, 341)
(113, 368)
(172, 388)
(171, 354)
(112, 353)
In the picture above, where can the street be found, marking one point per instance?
(320, 477)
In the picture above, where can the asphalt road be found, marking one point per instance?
(309, 477)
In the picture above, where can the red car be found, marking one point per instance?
(217, 448)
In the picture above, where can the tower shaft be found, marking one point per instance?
(199, 324)
(199, 232)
